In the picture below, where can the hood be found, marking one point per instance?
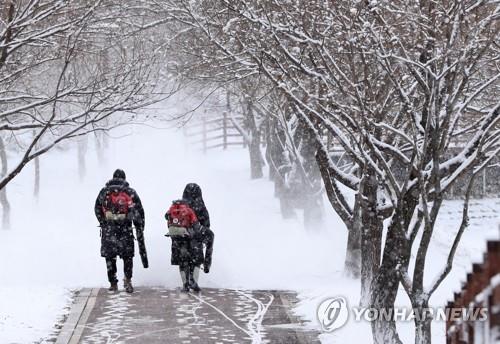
(192, 192)
(117, 182)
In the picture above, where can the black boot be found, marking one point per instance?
(195, 287)
(192, 282)
(113, 286)
(185, 276)
(127, 284)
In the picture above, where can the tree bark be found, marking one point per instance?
(310, 186)
(396, 257)
(352, 265)
(422, 323)
(4, 51)
(256, 159)
(4, 200)
(270, 147)
(383, 294)
(371, 235)
(279, 166)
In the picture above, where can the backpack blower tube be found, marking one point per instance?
(142, 248)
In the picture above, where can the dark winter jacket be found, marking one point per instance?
(117, 237)
(191, 250)
(192, 195)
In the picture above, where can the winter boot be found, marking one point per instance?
(185, 276)
(194, 286)
(127, 284)
(113, 286)
(193, 278)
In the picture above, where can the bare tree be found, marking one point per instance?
(405, 89)
(71, 68)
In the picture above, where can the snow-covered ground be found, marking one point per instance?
(53, 245)
(484, 225)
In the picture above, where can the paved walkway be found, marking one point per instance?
(157, 315)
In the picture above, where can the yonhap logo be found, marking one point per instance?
(333, 313)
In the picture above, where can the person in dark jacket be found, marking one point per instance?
(187, 252)
(117, 237)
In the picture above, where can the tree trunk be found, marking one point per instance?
(256, 162)
(397, 252)
(310, 181)
(256, 159)
(283, 194)
(384, 290)
(422, 324)
(352, 265)
(371, 235)
(4, 201)
(82, 152)
(279, 166)
(270, 148)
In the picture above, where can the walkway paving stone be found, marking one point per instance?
(157, 315)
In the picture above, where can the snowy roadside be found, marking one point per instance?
(484, 222)
(29, 313)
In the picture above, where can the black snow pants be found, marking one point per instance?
(128, 264)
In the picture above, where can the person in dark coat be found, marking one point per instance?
(117, 237)
(187, 252)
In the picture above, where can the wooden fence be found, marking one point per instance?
(214, 132)
(211, 132)
(481, 290)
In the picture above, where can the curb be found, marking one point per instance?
(301, 338)
(80, 311)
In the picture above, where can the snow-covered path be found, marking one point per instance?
(158, 315)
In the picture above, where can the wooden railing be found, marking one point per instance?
(214, 132)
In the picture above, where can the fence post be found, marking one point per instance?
(204, 130)
(224, 130)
